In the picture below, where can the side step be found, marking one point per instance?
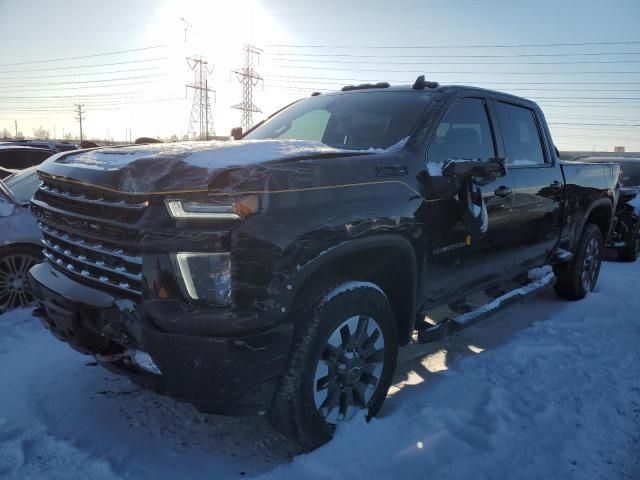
(457, 316)
(428, 333)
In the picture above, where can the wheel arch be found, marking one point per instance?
(387, 260)
(600, 213)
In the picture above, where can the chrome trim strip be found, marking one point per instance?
(60, 250)
(55, 192)
(82, 243)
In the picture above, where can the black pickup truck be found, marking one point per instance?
(279, 274)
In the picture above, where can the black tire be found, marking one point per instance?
(631, 251)
(15, 262)
(294, 411)
(578, 277)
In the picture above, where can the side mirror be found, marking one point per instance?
(482, 169)
(236, 133)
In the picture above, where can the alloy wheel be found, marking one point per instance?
(349, 369)
(591, 265)
(14, 287)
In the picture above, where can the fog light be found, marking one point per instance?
(144, 361)
(206, 276)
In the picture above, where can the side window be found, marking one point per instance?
(12, 159)
(463, 133)
(521, 135)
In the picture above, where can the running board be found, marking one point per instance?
(451, 324)
(428, 333)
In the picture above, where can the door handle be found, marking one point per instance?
(502, 191)
(556, 185)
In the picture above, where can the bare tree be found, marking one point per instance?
(41, 133)
(6, 133)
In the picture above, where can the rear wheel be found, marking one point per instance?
(15, 262)
(579, 277)
(341, 364)
(631, 251)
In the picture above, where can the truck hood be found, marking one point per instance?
(172, 167)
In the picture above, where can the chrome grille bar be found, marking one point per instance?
(97, 264)
(96, 246)
(103, 279)
(56, 192)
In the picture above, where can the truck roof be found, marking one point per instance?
(443, 89)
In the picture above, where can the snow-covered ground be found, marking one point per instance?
(541, 389)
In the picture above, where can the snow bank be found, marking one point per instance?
(542, 389)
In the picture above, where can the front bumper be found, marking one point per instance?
(233, 375)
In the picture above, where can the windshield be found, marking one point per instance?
(23, 184)
(357, 121)
(630, 175)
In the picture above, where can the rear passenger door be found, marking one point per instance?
(538, 183)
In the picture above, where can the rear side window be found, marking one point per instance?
(13, 159)
(521, 135)
(463, 133)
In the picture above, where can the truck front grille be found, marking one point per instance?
(90, 236)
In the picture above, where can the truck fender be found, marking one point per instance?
(404, 304)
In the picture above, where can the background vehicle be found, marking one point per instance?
(625, 237)
(20, 246)
(16, 157)
(281, 273)
(54, 145)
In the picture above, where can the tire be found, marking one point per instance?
(15, 262)
(579, 277)
(323, 359)
(631, 251)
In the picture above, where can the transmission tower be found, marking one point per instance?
(201, 123)
(248, 78)
(79, 112)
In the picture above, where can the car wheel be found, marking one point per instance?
(579, 277)
(15, 262)
(631, 251)
(342, 362)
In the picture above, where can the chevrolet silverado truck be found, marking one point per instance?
(279, 274)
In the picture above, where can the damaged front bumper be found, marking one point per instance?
(233, 375)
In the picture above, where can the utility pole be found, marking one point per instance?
(248, 78)
(16, 124)
(79, 117)
(201, 107)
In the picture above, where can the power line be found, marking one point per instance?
(516, 45)
(82, 74)
(515, 55)
(69, 67)
(119, 52)
(110, 85)
(45, 84)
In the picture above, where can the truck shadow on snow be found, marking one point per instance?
(423, 366)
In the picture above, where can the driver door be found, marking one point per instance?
(461, 256)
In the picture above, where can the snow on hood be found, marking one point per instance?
(180, 166)
(202, 154)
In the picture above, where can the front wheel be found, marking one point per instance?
(577, 278)
(342, 362)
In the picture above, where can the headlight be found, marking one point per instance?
(206, 276)
(214, 210)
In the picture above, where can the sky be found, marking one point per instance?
(125, 60)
